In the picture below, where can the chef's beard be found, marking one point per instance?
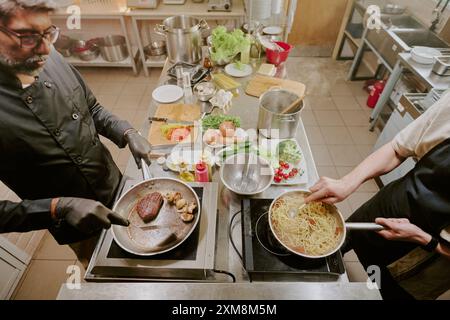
(28, 67)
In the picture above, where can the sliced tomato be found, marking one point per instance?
(179, 134)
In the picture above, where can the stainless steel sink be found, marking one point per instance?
(419, 37)
(401, 22)
(399, 34)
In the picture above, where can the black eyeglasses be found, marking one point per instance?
(33, 40)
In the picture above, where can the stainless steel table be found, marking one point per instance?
(423, 72)
(226, 259)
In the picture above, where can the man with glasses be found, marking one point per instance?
(50, 123)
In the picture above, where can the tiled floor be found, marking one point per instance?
(336, 121)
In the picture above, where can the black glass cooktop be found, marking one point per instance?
(265, 259)
(186, 251)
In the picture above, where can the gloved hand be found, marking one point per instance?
(87, 215)
(139, 146)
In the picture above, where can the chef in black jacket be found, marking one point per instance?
(415, 210)
(50, 152)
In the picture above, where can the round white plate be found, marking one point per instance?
(167, 94)
(424, 55)
(231, 70)
(273, 31)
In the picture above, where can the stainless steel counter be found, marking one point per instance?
(226, 259)
(424, 72)
(219, 291)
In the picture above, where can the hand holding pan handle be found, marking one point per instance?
(145, 170)
(363, 226)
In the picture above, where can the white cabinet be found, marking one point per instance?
(397, 122)
(12, 266)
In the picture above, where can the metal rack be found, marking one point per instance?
(103, 12)
(141, 19)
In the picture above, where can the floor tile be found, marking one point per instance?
(351, 257)
(362, 135)
(344, 155)
(308, 118)
(340, 89)
(344, 208)
(328, 118)
(43, 280)
(357, 199)
(135, 89)
(314, 135)
(108, 100)
(321, 155)
(114, 88)
(320, 103)
(126, 101)
(355, 272)
(357, 88)
(364, 150)
(336, 135)
(346, 103)
(328, 171)
(355, 117)
(362, 101)
(49, 249)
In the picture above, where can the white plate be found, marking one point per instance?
(167, 94)
(271, 146)
(233, 71)
(184, 153)
(273, 30)
(424, 55)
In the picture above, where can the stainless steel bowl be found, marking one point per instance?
(64, 45)
(246, 174)
(89, 54)
(113, 48)
(204, 91)
(156, 48)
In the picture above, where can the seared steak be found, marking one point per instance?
(149, 206)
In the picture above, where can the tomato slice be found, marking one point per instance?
(179, 134)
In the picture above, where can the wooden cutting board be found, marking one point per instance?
(176, 112)
(260, 84)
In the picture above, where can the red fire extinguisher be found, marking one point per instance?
(375, 92)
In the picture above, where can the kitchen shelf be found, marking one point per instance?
(100, 62)
(155, 63)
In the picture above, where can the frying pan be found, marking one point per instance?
(167, 231)
(334, 210)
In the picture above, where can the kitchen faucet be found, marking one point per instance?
(438, 14)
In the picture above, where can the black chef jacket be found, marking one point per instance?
(50, 147)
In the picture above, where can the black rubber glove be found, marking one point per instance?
(139, 146)
(88, 216)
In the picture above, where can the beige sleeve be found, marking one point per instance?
(445, 234)
(406, 142)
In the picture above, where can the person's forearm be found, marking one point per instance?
(381, 161)
(25, 216)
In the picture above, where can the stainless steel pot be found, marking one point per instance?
(183, 38)
(271, 122)
(113, 48)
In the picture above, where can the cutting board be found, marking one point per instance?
(176, 112)
(260, 84)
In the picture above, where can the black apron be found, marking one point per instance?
(422, 196)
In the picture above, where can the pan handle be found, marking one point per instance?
(145, 171)
(364, 226)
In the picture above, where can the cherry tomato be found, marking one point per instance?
(277, 179)
(285, 176)
(286, 165)
(282, 164)
(295, 170)
(291, 174)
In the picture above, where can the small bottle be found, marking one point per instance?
(187, 88)
(179, 73)
(201, 172)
